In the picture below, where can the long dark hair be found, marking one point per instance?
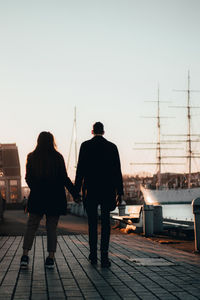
(45, 143)
(45, 158)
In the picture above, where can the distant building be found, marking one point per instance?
(131, 188)
(25, 191)
(10, 176)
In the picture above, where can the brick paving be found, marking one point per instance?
(141, 269)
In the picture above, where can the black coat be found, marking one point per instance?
(47, 191)
(99, 171)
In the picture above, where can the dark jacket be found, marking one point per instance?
(47, 191)
(99, 171)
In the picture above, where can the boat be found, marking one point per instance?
(163, 194)
(169, 196)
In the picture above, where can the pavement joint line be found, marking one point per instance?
(180, 281)
(97, 269)
(110, 269)
(129, 263)
(32, 270)
(45, 272)
(172, 281)
(5, 238)
(70, 268)
(92, 282)
(60, 279)
(11, 259)
(7, 248)
(124, 282)
(94, 269)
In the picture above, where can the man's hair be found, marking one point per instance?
(98, 128)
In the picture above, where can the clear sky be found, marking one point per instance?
(105, 57)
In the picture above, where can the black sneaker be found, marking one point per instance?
(93, 259)
(24, 262)
(105, 263)
(49, 263)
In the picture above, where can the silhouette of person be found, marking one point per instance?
(47, 178)
(100, 178)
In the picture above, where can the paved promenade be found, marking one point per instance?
(141, 269)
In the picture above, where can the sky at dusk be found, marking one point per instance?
(105, 57)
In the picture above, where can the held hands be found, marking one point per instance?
(78, 199)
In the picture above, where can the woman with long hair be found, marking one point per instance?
(47, 178)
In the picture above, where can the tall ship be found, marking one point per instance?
(177, 194)
(10, 176)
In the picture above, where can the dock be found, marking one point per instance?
(141, 269)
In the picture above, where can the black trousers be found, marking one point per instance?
(92, 212)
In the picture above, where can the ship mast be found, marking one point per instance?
(189, 135)
(73, 140)
(159, 143)
(75, 137)
(190, 154)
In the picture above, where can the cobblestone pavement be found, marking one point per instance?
(141, 269)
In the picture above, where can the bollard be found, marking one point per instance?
(196, 212)
(157, 219)
(147, 220)
(122, 208)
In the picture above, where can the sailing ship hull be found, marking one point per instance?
(170, 196)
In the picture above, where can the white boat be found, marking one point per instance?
(169, 196)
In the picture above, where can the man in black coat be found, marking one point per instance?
(99, 175)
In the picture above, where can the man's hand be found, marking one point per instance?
(118, 200)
